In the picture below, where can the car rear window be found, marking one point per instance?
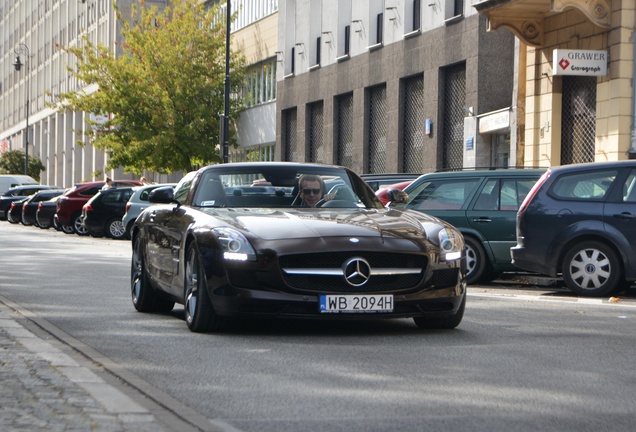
(585, 186)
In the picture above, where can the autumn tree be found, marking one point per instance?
(163, 92)
(12, 162)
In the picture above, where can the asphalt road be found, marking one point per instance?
(524, 358)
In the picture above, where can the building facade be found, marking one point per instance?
(42, 25)
(399, 86)
(576, 77)
(255, 34)
(34, 30)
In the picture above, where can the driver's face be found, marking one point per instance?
(308, 189)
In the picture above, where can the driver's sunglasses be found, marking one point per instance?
(311, 191)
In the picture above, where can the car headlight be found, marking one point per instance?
(235, 246)
(450, 244)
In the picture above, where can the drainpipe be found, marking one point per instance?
(632, 150)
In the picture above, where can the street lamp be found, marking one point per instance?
(225, 126)
(22, 49)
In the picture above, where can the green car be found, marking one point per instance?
(483, 205)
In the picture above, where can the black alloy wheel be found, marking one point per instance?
(144, 297)
(199, 313)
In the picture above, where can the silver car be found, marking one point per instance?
(139, 201)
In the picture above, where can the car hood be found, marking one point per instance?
(271, 224)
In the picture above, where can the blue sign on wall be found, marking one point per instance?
(470, 143)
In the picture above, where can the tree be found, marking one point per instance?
(164, 93)
(12, 162)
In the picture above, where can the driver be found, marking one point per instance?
(312, 190)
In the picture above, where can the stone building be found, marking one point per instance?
(577, 94)
(394, 86)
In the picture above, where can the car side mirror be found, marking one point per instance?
(162, 195)
(397, 196)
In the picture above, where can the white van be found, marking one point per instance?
(8, 181)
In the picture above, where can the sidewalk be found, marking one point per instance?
(44, 389)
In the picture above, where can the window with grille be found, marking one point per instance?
(578, 120)
(290, 126)
(377, 129)
(316, 148)
(344, 139)
(454, 102)
(413, 127)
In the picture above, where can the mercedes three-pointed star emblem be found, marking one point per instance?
(356, 271)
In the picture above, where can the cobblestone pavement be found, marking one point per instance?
(42, 388)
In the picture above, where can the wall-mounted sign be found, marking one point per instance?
(579, 62)
(494, 122)
(470, 143)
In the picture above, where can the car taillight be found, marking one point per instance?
(533, 192)
(12, 205)
(128, 205)
(87, 207)
(40, 206)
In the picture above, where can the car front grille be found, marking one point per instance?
(323, 272)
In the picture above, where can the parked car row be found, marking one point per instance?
(101, 211)
(576, 221)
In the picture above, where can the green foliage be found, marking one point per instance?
(12, 162)
(164, 91)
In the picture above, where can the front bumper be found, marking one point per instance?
(241, 302)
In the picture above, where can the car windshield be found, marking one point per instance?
(276, 186)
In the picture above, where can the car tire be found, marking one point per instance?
(115, 229)
(68, 229)
(477, 265)
(25, 222)
(78, 225)
(448, 322)
(199, 313)
(592, 269)
(144, 297)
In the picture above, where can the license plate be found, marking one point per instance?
(360, 303)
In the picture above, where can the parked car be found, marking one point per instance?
(10, 181)
(382, 193)
(69, 206)
(102, 214)
(227, 249)
(483, 205)
(137, 202)
(580, 221)
(17, 193)
(379, 181)
(30, 205)
(14, 215)
(45, 215)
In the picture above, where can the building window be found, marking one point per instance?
(260, 84)
(578, 124)
(413, 124)
(289, 138)
(454, 102)
(377, 118)
(344, 128)
(316, 147)
(454, 8)
(417, 14)
(379, 28)
(347, 39)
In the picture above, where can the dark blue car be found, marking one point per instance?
(580, 221)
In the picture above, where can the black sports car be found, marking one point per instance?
(238, 240)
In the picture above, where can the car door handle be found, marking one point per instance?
(625, 215)
(482, 219)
